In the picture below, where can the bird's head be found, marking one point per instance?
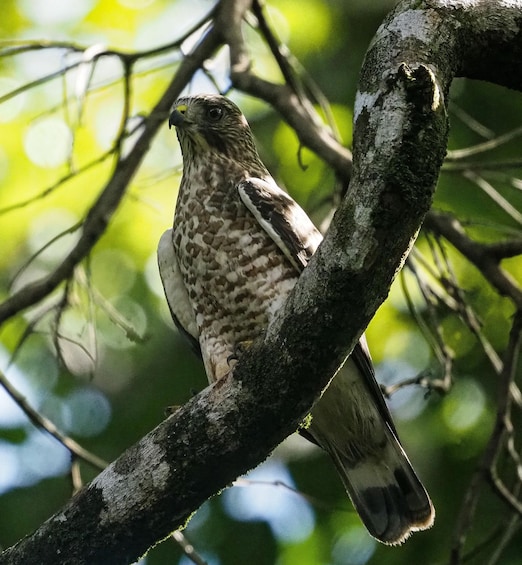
(212, 123)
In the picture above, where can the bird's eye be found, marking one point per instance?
(215, 113)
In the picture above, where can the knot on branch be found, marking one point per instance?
(421, 87)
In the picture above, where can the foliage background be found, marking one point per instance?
(122, 363)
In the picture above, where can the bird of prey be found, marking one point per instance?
(236, 249)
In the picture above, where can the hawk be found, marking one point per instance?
(236, 249)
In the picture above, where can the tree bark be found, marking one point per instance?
(400, 140)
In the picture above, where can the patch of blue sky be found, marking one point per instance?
(261, 495)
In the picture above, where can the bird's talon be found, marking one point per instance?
(230, 358)
(239, 349)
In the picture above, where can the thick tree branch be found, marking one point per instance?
(399, 144)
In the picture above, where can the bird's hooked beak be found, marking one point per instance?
(177, 117)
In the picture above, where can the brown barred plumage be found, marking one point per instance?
(235, 251)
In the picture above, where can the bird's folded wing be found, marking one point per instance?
(295, 234)
(177, 297)
(282, 219)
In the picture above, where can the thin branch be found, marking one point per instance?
(431, 330)
(297, 112)
(424, 379)
(507, 533)
(188, 548)
(277, 51)
(504, 249)
(76, 476)
(68, 231)
(287, 64)
(451, 229)
(312, 500)
(102, 210)
(486, 468)
(58, 184)
(45, 424)
(458, 154)
(483, 165)
(128, 57)
(473, 124)
(493, 193)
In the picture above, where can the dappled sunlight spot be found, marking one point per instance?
(407, 402)
(355, 547)
(35, 370)
(107, 123)
(290, 170)
(200, 83)
(48, 142)
(113, 272)
(48, 226)
(51, 406)
(36, 64)
(311, 22)
(457, 336)
(11, 108)
(87, 412)
(41, 456)
(464, 407)
(409, 346)
(114, 372)
(263, 64)
(124, 323)
(55, 12)
(134, 126)
(107, 70)
(77, 353)
(174, 19)
(11, 415)
(219, 68)
(289, 516)
(10, 467)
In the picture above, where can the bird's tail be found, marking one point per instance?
(387, 494)
(361, 440)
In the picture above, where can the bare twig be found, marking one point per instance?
(102, 210)
(493, 193)
(45, 424)
(58, 184)
(188, 548)
(486, 470)
(297, 112)
(458, 154)
(451, 229)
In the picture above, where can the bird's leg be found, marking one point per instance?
(239, 348)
